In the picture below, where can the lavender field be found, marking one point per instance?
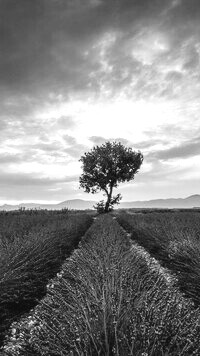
(117, 293)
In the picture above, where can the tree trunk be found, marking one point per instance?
(109, 196)
(107, 205)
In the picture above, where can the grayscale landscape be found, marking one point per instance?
(99, 178)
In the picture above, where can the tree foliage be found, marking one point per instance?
(105, 166)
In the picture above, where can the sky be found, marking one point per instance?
(77, 73)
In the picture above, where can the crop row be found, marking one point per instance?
(107, 300)
(29, 260)
(173, 239)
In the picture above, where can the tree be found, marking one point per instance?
(105, 166)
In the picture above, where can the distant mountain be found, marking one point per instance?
(189, 202)
(79, 204)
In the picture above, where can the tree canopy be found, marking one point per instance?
(105, 166)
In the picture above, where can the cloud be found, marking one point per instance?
(76, 151)
(40, 152)
(187, 149)
(10, 158)
(99, 140)
(59, 57)
(44, 44)
(66, 122)
(31, 186)
(20, 186)
(150, 143)
(170, 133)
(55, 46)
(69, 140)
(23, 179)
(59, 48)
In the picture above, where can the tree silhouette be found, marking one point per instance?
(104, 167)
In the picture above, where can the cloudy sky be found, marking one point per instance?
(75, 73)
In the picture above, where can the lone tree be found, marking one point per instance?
(104, 167)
